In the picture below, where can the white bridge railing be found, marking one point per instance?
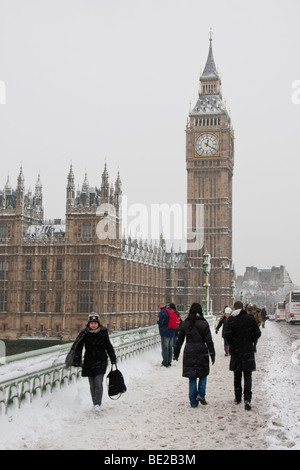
(29, 375)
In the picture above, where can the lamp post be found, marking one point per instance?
(232, 291)
(206, 270)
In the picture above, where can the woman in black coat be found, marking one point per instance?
(98, 347)
(199, 346)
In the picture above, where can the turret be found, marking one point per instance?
(38, 195)
(104, 190)
(70, 188)
(20, 191)
(85, 190)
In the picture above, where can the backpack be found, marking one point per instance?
(116, 384)
(174, 320)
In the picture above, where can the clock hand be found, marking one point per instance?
(207, 145)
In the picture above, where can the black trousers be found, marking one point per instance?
(238, 390)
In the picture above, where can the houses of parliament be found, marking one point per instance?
(53, 274)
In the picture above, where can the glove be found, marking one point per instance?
(216, 331)
(213, 358)
(175, 358)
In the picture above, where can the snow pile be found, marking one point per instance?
(156, 403)
(281, 391)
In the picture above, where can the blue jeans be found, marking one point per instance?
(194, 390)
(167, 350)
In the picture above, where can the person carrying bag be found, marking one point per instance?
(98, 348)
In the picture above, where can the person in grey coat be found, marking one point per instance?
(242, 333)
(198, 348)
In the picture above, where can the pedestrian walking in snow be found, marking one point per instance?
(263, 316)
(97, 349)
(198, 348)
(222, 323)
(173, 306)
(255, 312)
(242, 333)
(166, 335)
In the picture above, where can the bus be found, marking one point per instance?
(292, 307)
(279, 311)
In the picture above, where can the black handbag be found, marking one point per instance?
(116, 384)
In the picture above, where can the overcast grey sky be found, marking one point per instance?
(95, 80)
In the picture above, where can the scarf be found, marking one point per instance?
(235, 313)
(94, 331)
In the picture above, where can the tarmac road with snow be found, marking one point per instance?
(154, 413)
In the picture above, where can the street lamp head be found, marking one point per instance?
(206, 263)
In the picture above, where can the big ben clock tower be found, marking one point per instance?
(209, 163)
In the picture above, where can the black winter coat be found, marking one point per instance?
(222, 321)
(97, 349)
(242, 333)
(199, 346)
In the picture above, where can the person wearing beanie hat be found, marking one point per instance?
(222, 323)
(93, 317)
(97, 350)
(228, 311)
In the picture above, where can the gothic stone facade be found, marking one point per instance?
(52, 275)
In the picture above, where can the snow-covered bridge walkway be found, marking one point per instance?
(154, 413)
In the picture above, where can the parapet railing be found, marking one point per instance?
(36, 373)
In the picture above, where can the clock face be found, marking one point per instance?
(207, 144)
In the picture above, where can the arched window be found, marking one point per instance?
(86, 231)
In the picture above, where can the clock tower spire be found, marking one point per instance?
(210, 81)
(209, 163)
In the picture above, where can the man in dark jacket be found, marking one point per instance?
(97, 349)
(242, 333)
(167, 335)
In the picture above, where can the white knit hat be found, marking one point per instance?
(228, 311)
